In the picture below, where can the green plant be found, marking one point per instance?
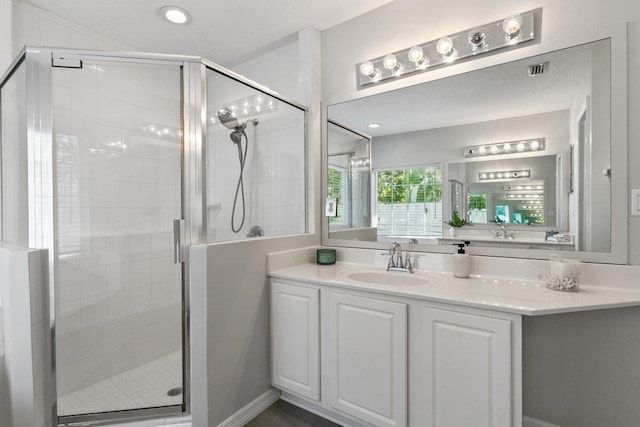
(456, 221)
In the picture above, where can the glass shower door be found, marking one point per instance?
(117, 138)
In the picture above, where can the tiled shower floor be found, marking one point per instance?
(143, 387)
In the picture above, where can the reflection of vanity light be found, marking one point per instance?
(533, 189)
(504, 148)
(484, 176)
(524, 196)
(374, 125)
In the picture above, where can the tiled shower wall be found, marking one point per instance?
(275, 168)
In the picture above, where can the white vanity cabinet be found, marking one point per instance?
(366, 350)
(465, 369)
(375, 359)
(295, 338)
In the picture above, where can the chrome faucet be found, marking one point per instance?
(395, 259)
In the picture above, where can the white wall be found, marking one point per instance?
(6, 53)
(23, 282)
(573, 377)
(35, 26)
(446, 144)
(230, 344)
(405, 22)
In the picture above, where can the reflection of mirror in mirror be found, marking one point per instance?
(421, 144)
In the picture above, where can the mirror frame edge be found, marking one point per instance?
(618, 150)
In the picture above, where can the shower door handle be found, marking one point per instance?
(178, 243)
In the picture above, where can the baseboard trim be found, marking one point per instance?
(315, 408)
(532, 422)
(252, 409)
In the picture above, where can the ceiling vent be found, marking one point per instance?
(538, 69)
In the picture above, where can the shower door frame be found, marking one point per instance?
(41, 191)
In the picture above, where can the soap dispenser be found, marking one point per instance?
(461, 261)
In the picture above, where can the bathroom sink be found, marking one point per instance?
(387, 278)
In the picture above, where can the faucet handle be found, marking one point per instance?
(408, 264)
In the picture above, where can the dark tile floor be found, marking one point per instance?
(283, 414)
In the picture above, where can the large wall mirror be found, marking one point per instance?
(521, 151)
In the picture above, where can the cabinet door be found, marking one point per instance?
(467, 369)
(295, 339)
(367, 352)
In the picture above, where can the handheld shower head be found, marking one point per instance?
(236, 135)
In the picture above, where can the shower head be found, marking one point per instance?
(236, 135)
(228, 118)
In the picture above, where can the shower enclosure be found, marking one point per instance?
(117, 163)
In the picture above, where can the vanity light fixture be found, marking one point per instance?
(506, 32)
(537, 144)
(175, 15)
(495, 175)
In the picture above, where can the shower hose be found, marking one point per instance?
(242, 156)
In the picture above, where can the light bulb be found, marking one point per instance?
(491, 176)
(416, 55)
(511, 26)
(507, 148)
(368, 69)
(483, 176)
(482, 150)
(520, 147)
(535, 145)
(444, 46)
(499, 175)
(477, 39)
(494, 150)
(390, 62)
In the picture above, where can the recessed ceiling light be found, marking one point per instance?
(175, 15)
(374, 125)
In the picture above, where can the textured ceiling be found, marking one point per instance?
(493, 93)
(222, 31)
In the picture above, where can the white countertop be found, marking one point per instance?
(526, 297)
